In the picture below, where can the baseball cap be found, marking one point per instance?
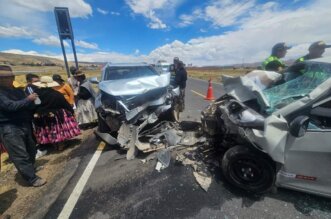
(280, 46)
(319, 45)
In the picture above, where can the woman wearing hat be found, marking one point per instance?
(54, 117)
(86, 114)
(64, 89)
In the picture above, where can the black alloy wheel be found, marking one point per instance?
(248, 170)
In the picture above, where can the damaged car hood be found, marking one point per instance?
(134, 86)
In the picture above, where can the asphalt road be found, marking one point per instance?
(119, 188)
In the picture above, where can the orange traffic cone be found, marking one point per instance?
(210, 93)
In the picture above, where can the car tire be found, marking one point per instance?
(102, 125)
(248, 170)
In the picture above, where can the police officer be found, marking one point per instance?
(316, 50)
(273, 62)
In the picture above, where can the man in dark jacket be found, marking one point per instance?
(181, 78)
(15, 126)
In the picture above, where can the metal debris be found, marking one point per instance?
(203, 180)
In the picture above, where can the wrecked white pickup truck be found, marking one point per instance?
(133, 101)
(276, 129)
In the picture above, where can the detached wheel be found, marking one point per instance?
(248, 170)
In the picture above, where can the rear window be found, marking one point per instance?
(116, 73)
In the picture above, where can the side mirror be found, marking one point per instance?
(299, 125)
(94, 80)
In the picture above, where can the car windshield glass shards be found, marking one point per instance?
(299, 84)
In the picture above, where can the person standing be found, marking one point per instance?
(315, 51)
(274, 62)
(86, 114)
(73, 81)
(181, 78)
(64, 89)
(54, 119)
(16, 128)
(30, 79)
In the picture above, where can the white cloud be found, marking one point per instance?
(31, 52)
(86, 45)
(77, 8)
(104, 12)
(13, 31)
(265, 25)
(115, 13)
(257, 32)
(50, 41)
(88, 57)
(220, 13)
(228, 12)
(149, 8)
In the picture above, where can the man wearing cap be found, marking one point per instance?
(316, 50)
(273, 62)
(15, 126)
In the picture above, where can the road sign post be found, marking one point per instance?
(64, 28)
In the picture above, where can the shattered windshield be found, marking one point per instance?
(299, 83)
(125, 72)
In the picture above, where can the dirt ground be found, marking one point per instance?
(16, 197)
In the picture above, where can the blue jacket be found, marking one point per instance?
(14, 106)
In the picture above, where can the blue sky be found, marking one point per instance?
(200, 32)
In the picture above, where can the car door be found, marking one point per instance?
(308, 158)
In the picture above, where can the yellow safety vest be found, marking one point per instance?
(271, 59)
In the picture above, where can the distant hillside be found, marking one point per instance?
(16, 59)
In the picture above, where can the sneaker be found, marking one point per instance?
(40, 153)
(39, 182)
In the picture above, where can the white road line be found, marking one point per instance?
(197, 93)
(71, 202)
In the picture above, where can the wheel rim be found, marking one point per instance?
(248, 172)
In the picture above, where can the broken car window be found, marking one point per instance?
(298, 84)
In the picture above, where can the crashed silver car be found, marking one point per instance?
(133, 101)
(275, 129)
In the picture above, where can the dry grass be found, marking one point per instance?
(214, 74)
(200, 73)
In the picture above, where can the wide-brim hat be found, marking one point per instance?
(6, 71)
(79, 73)
(46, 81)
(18, 84)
